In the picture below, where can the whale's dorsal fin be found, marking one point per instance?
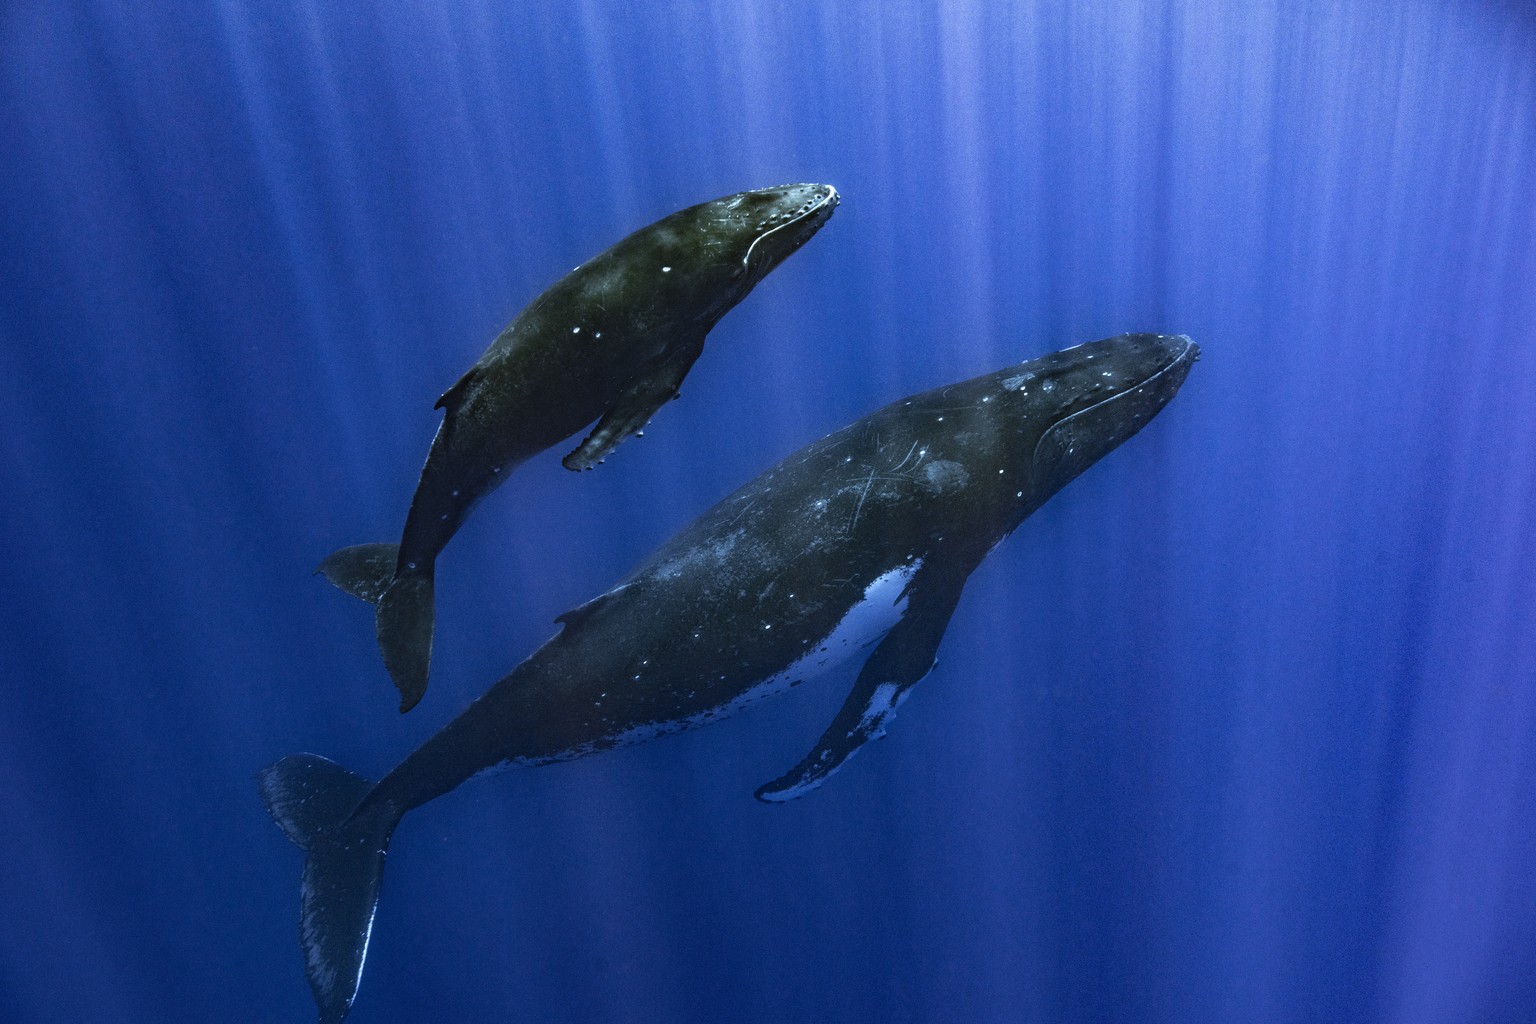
(655, 385)
(581, 611)
(585, 609)
(897, 664)
(451, 398)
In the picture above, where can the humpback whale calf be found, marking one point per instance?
(860, 542)
(611, 341)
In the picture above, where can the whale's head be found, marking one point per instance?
(689, 268)
(989, 451)
(773, 222)
(748, 234)
(1081, 403)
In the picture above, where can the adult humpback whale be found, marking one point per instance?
(864, 538)
(611, 341)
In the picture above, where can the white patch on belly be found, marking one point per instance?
(882, 606)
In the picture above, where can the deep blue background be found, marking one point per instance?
(1241, 727)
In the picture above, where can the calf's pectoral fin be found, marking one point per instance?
(654, 386)
(898, 663)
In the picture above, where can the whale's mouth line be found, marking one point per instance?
(1184, 353)
(830, 197)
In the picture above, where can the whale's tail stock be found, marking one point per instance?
(319, 805)
(402, 597)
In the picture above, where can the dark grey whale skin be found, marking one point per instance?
(611, 341)
(879, 525)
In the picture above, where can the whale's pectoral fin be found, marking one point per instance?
(900, 661)
(654, 386)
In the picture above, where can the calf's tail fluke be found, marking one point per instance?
(318, 805)
(404, 624)
(403, 601)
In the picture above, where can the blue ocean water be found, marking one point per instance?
(1241, 726)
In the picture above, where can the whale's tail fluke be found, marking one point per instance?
(317, 803)
(362, 570)
(404, 624)
(403, 599)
